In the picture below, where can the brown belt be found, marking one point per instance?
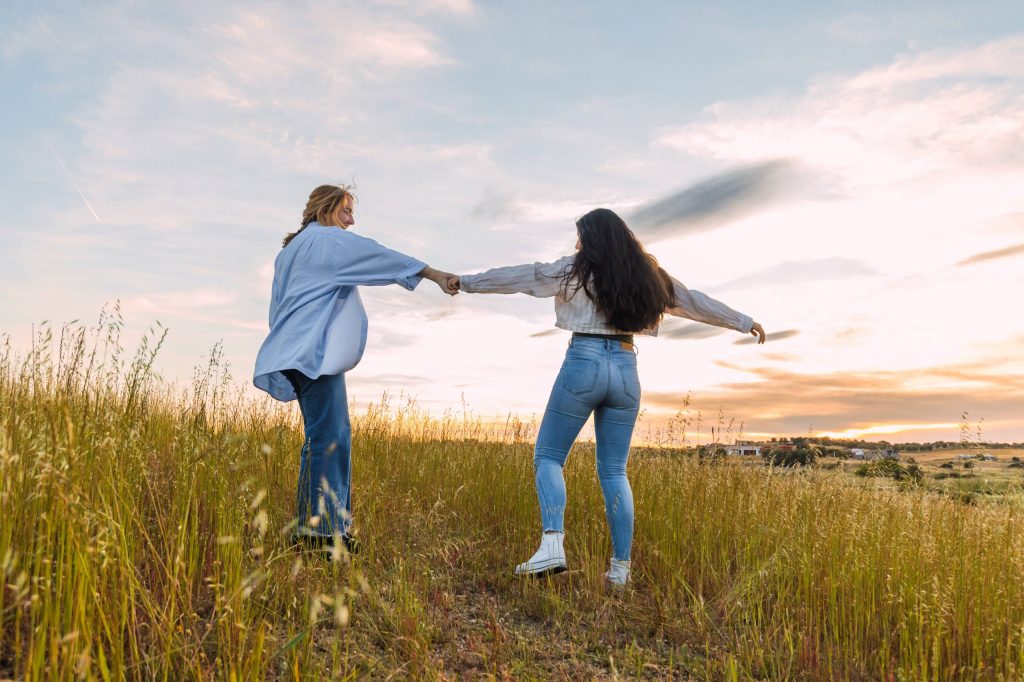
(625, 340)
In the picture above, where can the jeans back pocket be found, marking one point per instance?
(579, 375)
(630, 381)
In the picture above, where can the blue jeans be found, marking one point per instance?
(325, 464)
(598, 376)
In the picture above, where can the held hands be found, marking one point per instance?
(758, 331)
(448, 282)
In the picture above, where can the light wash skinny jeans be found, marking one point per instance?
(598, 376)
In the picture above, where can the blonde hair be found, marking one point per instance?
(323, 202)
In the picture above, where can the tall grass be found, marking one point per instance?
(143, 535)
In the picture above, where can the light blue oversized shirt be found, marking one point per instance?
(317, 321)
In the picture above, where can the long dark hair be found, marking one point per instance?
(625, 282)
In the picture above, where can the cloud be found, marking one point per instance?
(923, 114)
(786, 402)
(547, 332)
(213, 307)
(393, 379)
(182, 300)
(459, 8)
(407, 46)
(239, 85)
(998, 58)
(993, 255)
(670, 329)
(493, 207)
(714, 200)
(774, 336)
(30, 35)
(798, 272)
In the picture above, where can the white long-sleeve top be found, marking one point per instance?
(578, 313)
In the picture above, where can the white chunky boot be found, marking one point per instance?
(618, 575)
(547, 560)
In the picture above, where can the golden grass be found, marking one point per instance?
(143, 536)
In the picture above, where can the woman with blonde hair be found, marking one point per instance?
(608, 291)
(318, 331)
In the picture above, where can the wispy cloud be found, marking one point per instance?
(773, 336)
(887, 429)
(714, 200)
(993, 255)
(798, 272)
(175, 308)
(670, 329)
(922, 114)
(390, 381)
(998, 58)
(495, 207)
(28, 36)
(782, 401)
(459, 8)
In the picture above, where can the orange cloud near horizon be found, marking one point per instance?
(885, 429)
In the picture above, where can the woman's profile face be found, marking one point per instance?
(343, 216)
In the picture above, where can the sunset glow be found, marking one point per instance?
(885, 430)
(858, 194)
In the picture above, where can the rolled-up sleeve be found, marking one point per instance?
(360, 261)
(542, 280)
(695, 305)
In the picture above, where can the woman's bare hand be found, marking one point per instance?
(758, 331)
(442, 279)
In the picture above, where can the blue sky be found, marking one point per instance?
(155, 153)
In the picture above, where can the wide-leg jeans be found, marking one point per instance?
(598, 376)
(325, 464)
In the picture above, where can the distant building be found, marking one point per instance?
(883, 453)
(744, 449)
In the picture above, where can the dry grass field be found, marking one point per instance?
(143, 535)
(1004, 456)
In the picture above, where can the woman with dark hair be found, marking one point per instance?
(317, 333)
(608, 291)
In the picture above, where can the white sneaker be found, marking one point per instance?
(547, 560)
(618, 575)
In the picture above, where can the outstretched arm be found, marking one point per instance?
(542, 280)
(359, 261)
(694, 305)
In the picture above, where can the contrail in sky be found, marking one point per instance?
(72, 179)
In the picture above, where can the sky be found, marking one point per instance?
(847, 173)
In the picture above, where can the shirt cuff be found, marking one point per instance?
(410, 277)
